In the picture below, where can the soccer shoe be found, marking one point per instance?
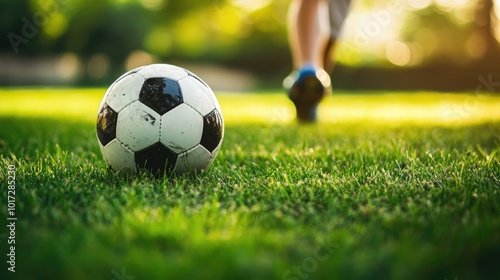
(306, 88)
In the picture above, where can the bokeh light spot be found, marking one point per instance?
(419, 4)
(153, 5)
(475, 46)
(68, 66)
(98, 66)
(138, 58)
(398, 53)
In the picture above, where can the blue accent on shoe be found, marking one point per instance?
(306, 70)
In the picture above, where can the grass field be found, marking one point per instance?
(385, 186)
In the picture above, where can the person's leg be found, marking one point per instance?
(312, 35)
(338, 13)
(309, 32)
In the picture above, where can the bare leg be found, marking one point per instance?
(309, 32)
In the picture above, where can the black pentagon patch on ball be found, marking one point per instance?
(212, 130)
(157, 158)
(161, 94)
(106, 124)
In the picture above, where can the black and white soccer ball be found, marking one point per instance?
(162, 118)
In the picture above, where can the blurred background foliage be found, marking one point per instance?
(416, 44)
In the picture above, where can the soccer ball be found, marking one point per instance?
(161, 118)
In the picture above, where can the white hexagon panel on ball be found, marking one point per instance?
(138, 126)
(197, 95)
(119, 157)
(196, 159)
(181, 128)
(124, 91)
(163, 71)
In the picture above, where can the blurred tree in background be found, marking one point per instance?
(443, 44)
